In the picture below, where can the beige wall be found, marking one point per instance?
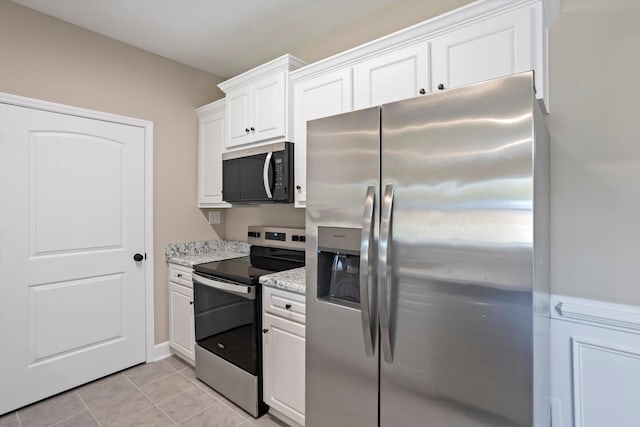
(236, 220)
(42, 57)
(595, 152)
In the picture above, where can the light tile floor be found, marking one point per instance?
(163, 393)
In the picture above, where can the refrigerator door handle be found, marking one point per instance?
(366, 247)
(384, 276)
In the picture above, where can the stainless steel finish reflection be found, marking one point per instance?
(238, 385)
(341, 379)
(461, 163)
(461, 252)
(244, 291)
(385, 276)
(366, 271)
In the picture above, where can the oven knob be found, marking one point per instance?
(264, 331)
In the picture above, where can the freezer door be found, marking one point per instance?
(341, 226)
(456, 247)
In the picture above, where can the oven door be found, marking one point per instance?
(227, 320)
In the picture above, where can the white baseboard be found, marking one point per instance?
(161, 351)
(595, 363)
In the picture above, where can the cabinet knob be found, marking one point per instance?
(422, 91)
(179, 275)
(264, 331)
(253, 129)
(287, 306)
(298, 187)
(246, 130)
(190, 302)
(441, 86)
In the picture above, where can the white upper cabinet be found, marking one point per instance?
(399, 74)
(497, 46)
(316, 97)
(257, 107)
(238, 111)
(211, 120)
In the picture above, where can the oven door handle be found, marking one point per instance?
(244, 291)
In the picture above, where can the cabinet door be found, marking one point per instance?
(238, 117)
(315, 98)
(268, 97)
(181, 330)
(284, 366)
(394, 76)
(495, 47)
(211, 140)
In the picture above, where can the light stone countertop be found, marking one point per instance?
(191, 260)
(189, 254)
(289, 280)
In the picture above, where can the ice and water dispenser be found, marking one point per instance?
(339, 265)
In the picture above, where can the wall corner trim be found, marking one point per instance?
(602, 314)
(161, 351)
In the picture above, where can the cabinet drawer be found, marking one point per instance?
(180, 274)
(285, 304)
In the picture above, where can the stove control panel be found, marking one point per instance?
(277, 237)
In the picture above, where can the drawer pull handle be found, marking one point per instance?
(287, 306)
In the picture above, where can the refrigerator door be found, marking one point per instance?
(457, 174)
(341, 228)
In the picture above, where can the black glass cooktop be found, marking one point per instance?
(237, 269)
(247, 270)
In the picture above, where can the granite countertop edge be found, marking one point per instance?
(288, 280)
(189, 254)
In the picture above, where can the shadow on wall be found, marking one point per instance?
(236, 220)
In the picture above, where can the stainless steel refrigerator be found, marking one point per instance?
(428, 262)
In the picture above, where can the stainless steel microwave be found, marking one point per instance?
(261, 174)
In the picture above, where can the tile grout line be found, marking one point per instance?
(153, 404)
(89, 409)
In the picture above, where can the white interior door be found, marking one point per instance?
(72, 299)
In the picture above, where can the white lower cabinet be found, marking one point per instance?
(283, 344)
(181, 325)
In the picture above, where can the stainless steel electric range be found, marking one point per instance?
(227, 310)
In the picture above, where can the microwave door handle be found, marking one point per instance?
(265, 175)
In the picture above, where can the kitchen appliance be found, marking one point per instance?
(227, 311)
(428, 262)
(262, 174)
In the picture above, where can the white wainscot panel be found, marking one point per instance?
(75, 201)
(595, 354)
(74, 315)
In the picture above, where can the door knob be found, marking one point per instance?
(138, 257)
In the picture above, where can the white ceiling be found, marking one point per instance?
(223, 37)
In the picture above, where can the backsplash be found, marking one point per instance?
(204, 247)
